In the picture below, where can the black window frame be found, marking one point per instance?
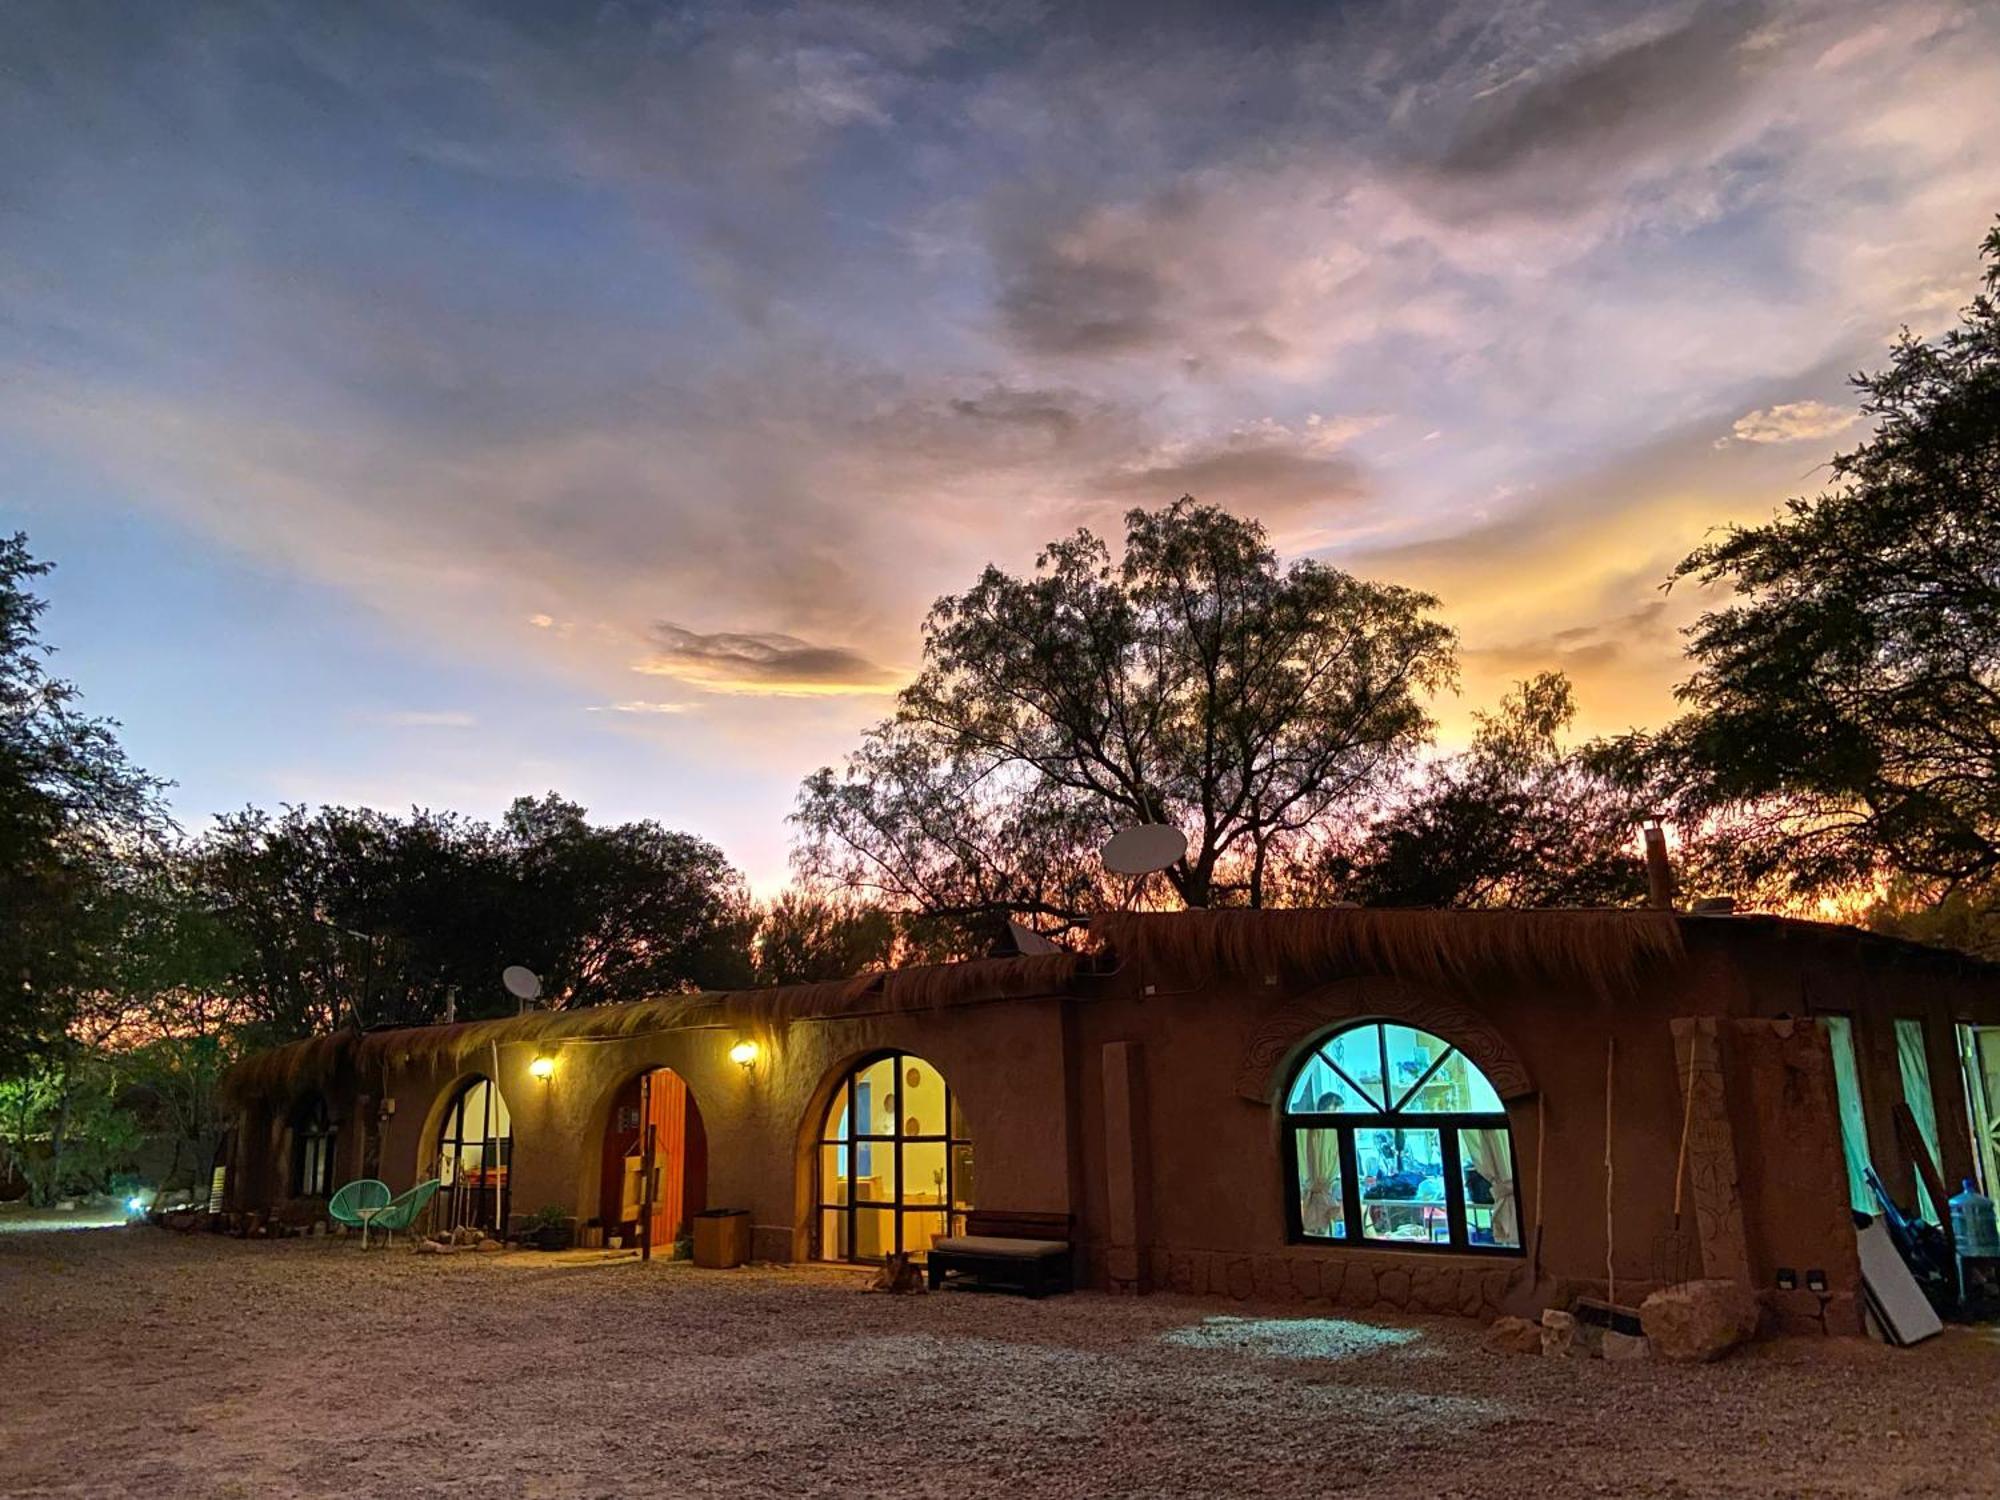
(1344, 1124)
(453, 1140)
(843, 1105)
(314, 1136)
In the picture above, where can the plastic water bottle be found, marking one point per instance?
(1972, 1223)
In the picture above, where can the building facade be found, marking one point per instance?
(1452, 1112)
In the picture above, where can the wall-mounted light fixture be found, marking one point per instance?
(543, 1067)
(743, 1054)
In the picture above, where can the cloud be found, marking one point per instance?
(1276, 473)
(1676, 88)
(1793, 422)
(766, 664)
(426, 718)
(642, 706)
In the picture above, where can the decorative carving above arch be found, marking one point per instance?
(1283, 1034)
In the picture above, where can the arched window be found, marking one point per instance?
(895, 1161)
(1393, 1138)
(312, 1150)
(475, 1150)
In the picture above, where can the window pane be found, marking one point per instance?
(1402, 1185)
(1916, 1070)
(1492, 1214)
(923, 1172)
(833, 1174)
(959, 1129)
(836, 1129)
(1318, 1090)
(920, 1229)
(875, 1098)
(1456, 1088)
(1358, 1054)
(1853, 1123)
(874, 1233)
(874, 1179)
(833, 1234)
(1321, 1212)
(961, 1177)
(920, 1091)
(1411, 1054)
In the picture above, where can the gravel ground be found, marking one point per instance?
(140, 1362)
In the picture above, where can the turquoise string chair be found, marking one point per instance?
(403, 1210)
(347, 1207)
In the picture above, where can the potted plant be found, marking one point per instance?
(550, 1225)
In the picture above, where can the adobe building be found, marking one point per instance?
(1432, 1111)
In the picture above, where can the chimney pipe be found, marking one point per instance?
(1659, 869)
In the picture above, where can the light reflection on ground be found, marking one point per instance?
(1291, 1338)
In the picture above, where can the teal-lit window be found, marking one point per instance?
(1853, 1119)
(1394, 1138)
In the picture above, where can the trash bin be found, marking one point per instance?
(721, 1238)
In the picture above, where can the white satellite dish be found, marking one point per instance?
(1027, 940)
(522, 984)
(1143, 848)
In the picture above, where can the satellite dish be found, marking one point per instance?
(522, 984)
(1143, 848)
(1027, 940)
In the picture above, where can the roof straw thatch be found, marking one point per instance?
(284, 1072)
(1603, 952)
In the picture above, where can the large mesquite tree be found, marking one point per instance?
(1844, 716)
(1190, 681)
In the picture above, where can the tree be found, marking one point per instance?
(1515, 821)
(620, 913)
(351, 916)
(71, 806)
(805, 937)
(1843, 720)
(1192, 682)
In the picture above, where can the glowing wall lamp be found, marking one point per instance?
(743, 1054)
(543, 1067)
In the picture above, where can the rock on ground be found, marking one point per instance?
(1699, 1320)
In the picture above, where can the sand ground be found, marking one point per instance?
(138, 1362)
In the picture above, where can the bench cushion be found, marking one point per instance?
(987, 1244)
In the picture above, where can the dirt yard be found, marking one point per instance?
(136, 1362)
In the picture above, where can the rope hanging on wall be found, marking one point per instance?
(1610, 1268)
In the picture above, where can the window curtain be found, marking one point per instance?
(1319, 1198)
(1916, 1071)
(1853, 1123)
(1492, 1160)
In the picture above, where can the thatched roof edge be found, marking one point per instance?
(1604, 952)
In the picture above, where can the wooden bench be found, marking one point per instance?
(1024, 1252)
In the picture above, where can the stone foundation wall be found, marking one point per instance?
(1470, 1288)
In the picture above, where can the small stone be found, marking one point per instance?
(1559, 1335)
(1514, 1336)
(1699, 1320)
(490, 1245)
(1625, 1346)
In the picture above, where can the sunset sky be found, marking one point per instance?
(434, 403)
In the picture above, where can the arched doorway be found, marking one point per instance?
(655, 1162)
(475, 1152)
(894, 1167)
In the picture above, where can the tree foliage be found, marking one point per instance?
(806, 937)
(356, 916)
(71, 807)
(1843, 721)
(1517, 820)
(1192, 681)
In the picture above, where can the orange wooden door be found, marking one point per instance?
(666, 1123)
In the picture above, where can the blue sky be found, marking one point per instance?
(433, 404)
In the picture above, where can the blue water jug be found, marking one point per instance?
(1972, 1223)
